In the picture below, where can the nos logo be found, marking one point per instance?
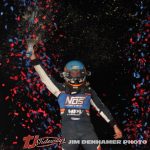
(74, 101)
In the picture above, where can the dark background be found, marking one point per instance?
(95, 32)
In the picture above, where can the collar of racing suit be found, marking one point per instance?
(76, 89)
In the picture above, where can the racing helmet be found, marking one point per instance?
(75, 73)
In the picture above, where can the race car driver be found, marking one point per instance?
(74, 98)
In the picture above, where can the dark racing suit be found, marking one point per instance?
(74, 109)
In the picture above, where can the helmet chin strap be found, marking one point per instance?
(75, 88)
(76, 85)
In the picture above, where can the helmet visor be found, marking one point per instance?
(75, 73)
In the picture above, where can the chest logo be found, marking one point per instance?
(74, 101)
(75, 112)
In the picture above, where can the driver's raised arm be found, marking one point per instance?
(43, 76)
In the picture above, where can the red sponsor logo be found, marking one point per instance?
(41, 142)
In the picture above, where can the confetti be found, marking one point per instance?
(97, 35)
